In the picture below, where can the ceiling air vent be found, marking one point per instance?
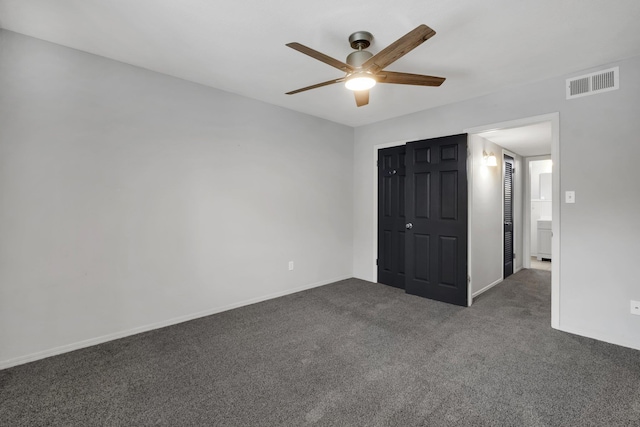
(590, 84)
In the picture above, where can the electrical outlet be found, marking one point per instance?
(290, 265)
(635, 307)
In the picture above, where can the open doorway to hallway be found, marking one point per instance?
(530, 146)
(526, 140)
(540, 170)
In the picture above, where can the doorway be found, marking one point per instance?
(540, 171)
(477, 258)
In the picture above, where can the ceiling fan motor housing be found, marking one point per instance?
(357, 58)
(360, 39)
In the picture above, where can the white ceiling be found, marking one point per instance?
(527, 141)
(239, 46)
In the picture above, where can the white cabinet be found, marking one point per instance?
(544, 239)
(539, 209)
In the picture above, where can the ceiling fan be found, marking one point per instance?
(364, 69)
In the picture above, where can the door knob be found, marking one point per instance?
(408, 226)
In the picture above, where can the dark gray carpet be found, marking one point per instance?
(349, 353)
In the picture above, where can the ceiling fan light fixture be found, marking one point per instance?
(363, 69)
(360, 81)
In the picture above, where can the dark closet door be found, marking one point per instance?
(391, 216)
(436, 219)
(508, 216)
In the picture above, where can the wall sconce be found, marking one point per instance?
(489, 159)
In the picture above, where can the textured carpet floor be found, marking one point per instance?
(349, 353)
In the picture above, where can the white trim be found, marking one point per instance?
(513, 123)
(555, 221)
(4, 364)
(526, 215)
(615, 339)
(554, 118)
(470, 294)
(489, 286)
(375, 200)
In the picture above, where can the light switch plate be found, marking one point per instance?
(635, 307)
(570, 196)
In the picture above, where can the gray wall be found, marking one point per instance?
(486, 215)
(599, 152)
(130, 199)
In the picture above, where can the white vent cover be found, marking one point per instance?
(590, 84)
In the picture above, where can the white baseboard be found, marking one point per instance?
(4, 364)
(611, 339)
(486, 288)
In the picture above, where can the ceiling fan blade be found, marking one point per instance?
(327, 83)
(362, 97)
(398, 49)
(321, 57)
(408, 79)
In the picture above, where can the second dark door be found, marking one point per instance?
(391, 216)
(436, 214)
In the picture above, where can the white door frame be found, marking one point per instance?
(554, 119)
